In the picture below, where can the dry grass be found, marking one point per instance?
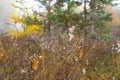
(55, 58)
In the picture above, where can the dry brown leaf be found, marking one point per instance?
(102, 77)
(35, 64)
(40, 57)
(93, 47)
(81, 53)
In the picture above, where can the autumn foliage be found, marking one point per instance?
(116, 20)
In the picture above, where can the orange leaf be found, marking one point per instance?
(81, 53)
(35, 64)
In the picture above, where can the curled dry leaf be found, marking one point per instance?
(35, 64)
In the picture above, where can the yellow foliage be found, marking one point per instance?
(29, 30)
(34, 16)
(16, 34)
(15, 18)
(32, 29)
(87, 62)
